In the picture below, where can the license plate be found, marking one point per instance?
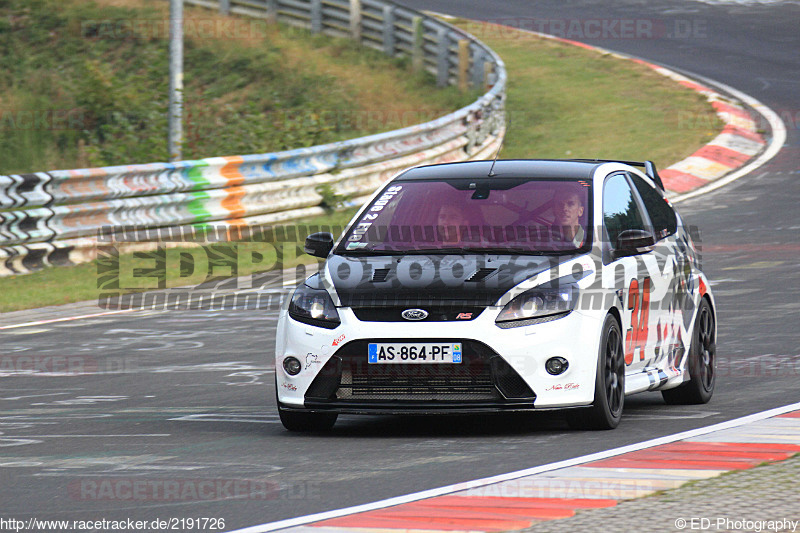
(414, 353)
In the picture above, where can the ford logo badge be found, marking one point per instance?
(415, 314)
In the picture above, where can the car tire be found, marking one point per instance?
(701, 363)
(609, 389)
(300, 421)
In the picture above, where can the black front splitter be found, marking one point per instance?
(420, 408)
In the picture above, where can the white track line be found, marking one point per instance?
(286, 280)
(398, 500)
(104, 436)
(65, 319)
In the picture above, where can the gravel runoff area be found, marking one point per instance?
(761, 499)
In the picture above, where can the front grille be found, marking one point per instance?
(327, 381)
(470, 380)
(482, 376)
(508, 382)
(435, 314)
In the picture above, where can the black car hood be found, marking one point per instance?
(428, 280)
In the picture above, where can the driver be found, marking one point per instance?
(568, 209)
(450, 222)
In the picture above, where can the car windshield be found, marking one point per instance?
(482, 215)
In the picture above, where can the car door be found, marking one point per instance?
(669, 268)
(623, 210)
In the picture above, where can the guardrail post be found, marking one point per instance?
(272, 10)
(388, 30)
(417, 51)
(355, 19)
(175, 117)
(488, 74)
(316, 16)
(225, 7)
(442, 53)
(463, 64)
(478, 61)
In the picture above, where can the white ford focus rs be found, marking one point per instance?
(500, 286)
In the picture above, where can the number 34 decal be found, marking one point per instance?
(639, 304)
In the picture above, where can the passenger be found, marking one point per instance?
(568, 210)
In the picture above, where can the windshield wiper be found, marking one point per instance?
(500, 250)
(459, 250)
(367, 252)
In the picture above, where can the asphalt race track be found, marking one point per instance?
(175, 400)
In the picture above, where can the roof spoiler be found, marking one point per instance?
(648, 166)
(652, 173)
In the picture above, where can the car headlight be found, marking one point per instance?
(551, 299)
(314, 307)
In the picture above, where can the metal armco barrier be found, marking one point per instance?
(54, 218)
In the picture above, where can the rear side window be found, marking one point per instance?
(620, 211)
(661, 213)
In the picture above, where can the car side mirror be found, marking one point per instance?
(634, 242)
(319, 244)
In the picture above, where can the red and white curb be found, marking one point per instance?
(517, 500)
(737, 145)
(740, 141)
(738, 150)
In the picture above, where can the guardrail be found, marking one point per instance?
(54, 218)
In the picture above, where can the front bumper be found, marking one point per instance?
(503, 369)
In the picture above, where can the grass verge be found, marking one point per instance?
(563, 101)
(84, 84)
